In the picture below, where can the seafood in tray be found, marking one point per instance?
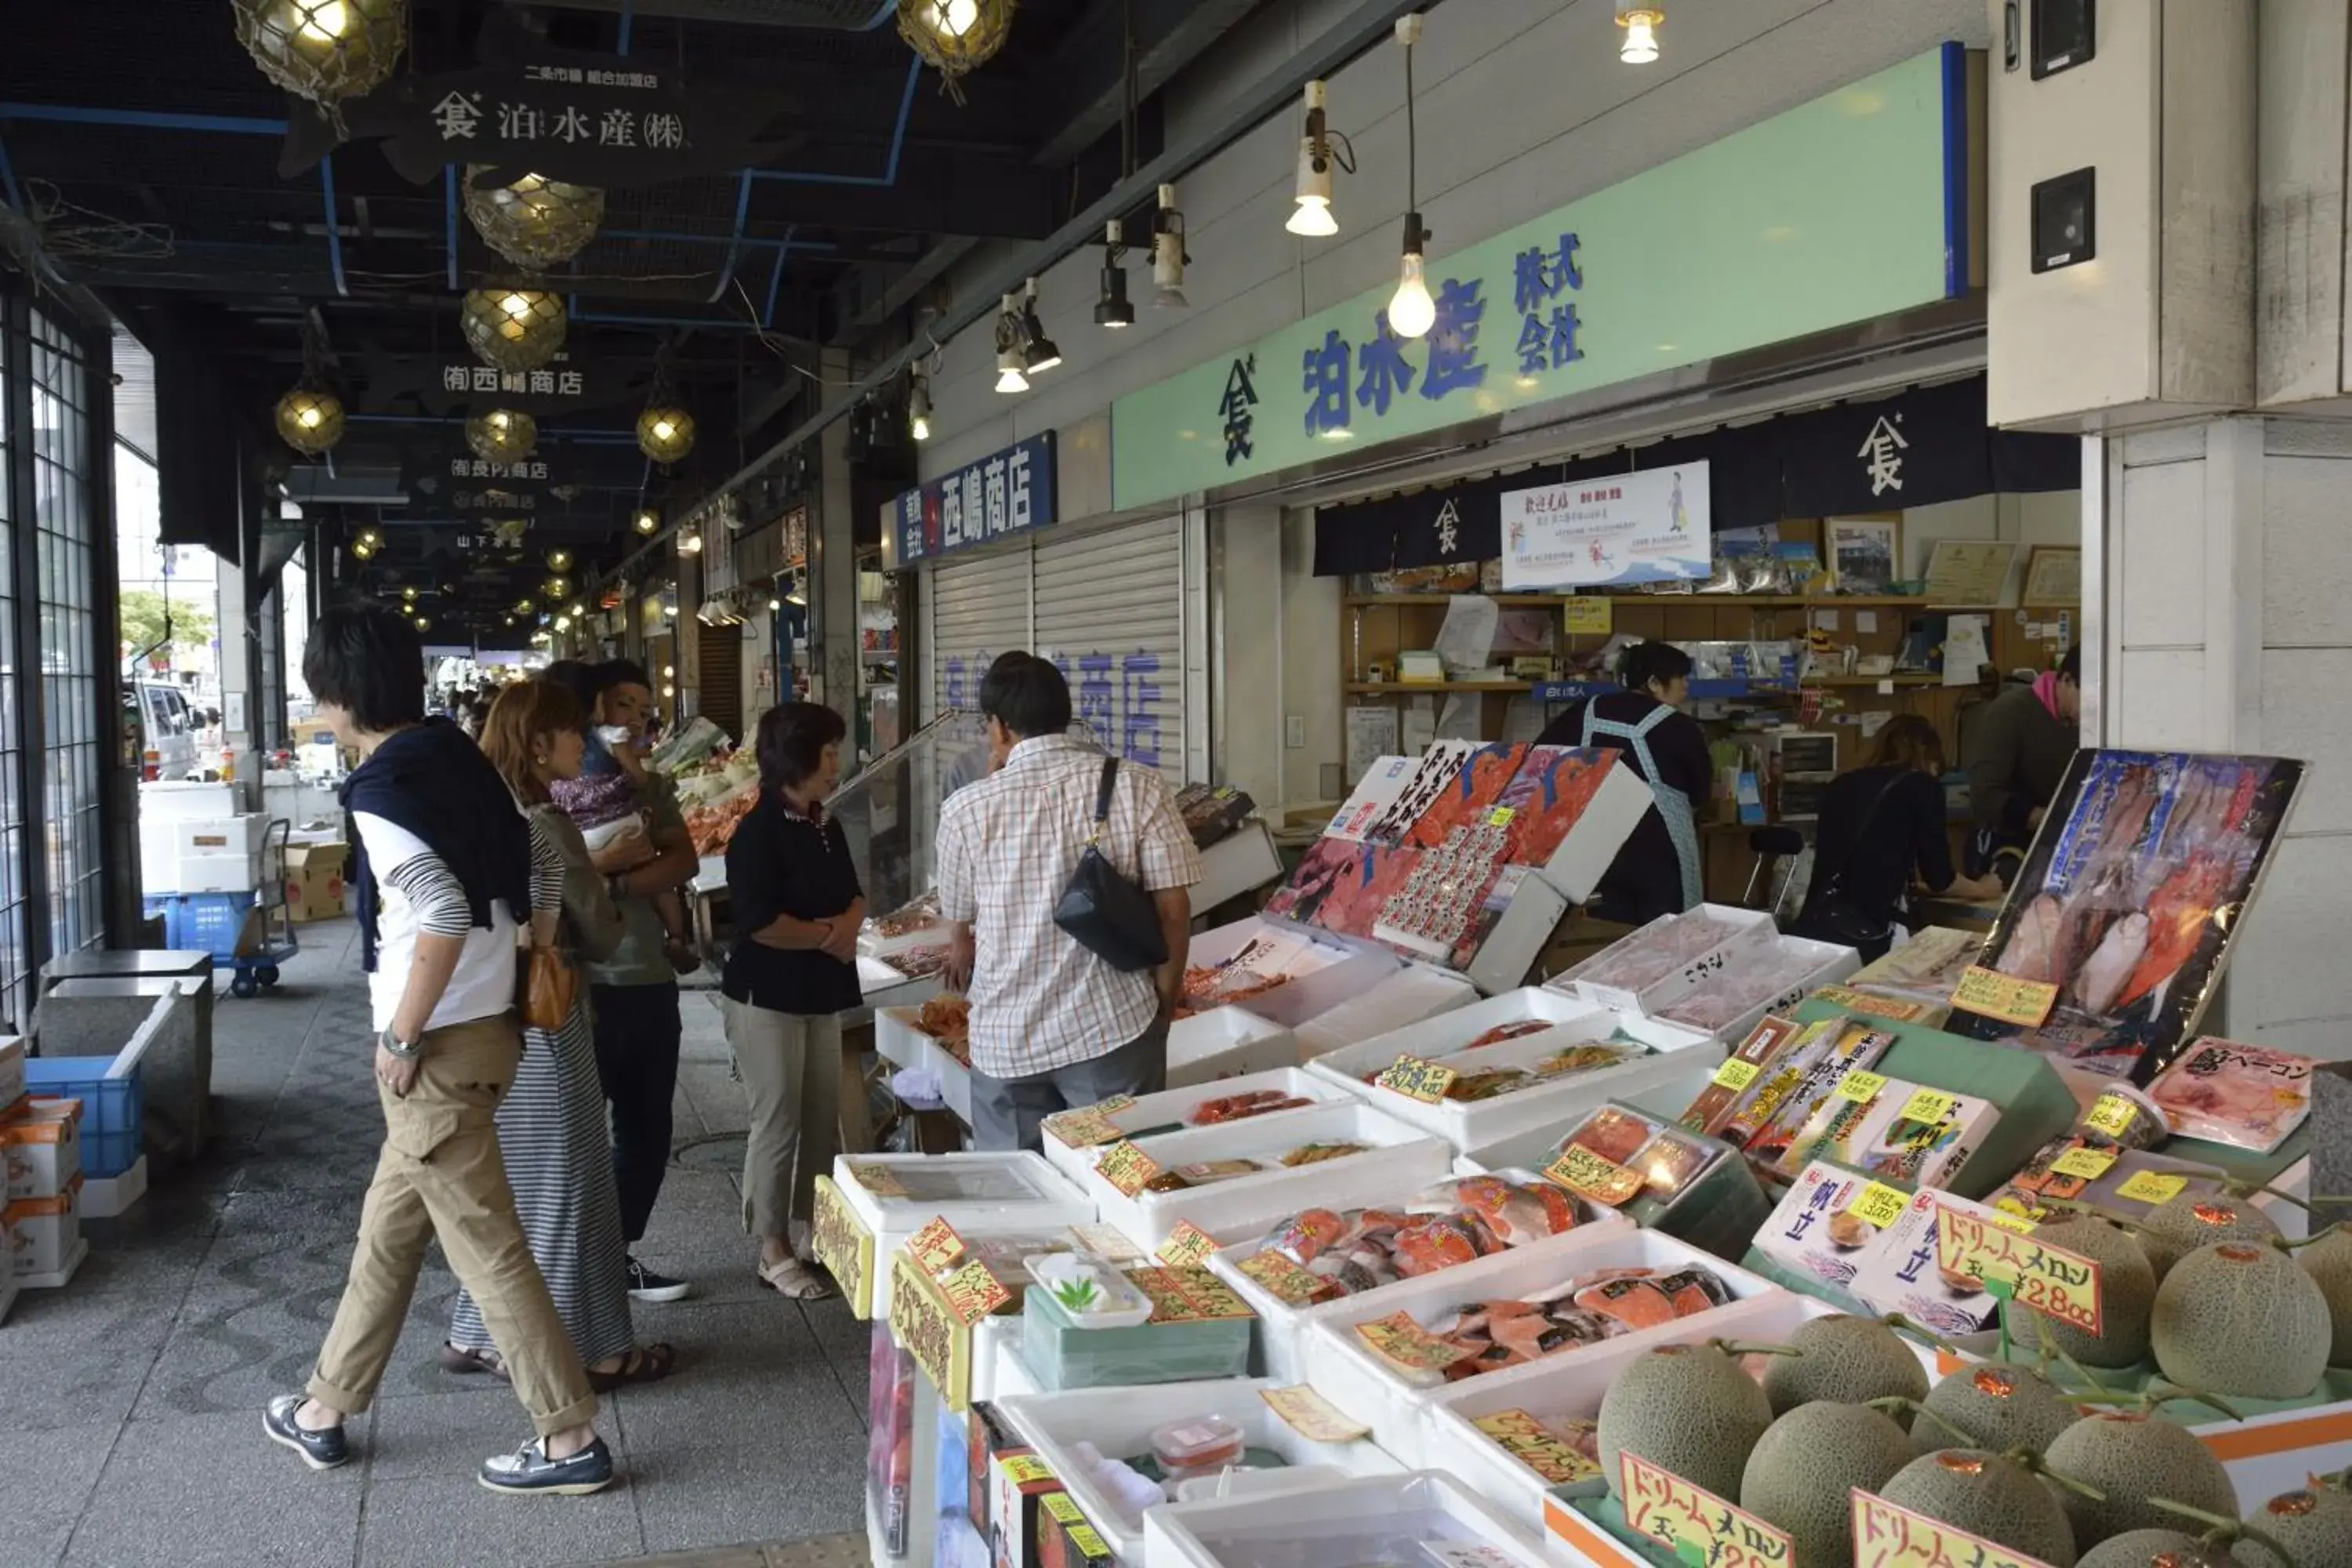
(1350, 1251)
(947, 1020)
(918, 914)
(1241, 1106)
(1479, 1336)
(1632, 1154)
(1640, 961)
(2230, 1092)
(1207, 1173)
(1209, 986)
(1755, 976)
(1476, 1081)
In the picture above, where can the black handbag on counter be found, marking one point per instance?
(1829, 915)
(1103, 912)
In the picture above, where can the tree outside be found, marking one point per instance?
(143, 622)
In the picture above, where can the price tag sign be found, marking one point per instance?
(936, 1248)
(1417, 1079)
(1589, 1176)
(971, 1292)
(1188, 1296)
(2088, 1165)
(1930, 1105)
(1087, 1129)
(1312, 1417)
(2049, 1279)
(1399, 1338)
(941, 1346)
(1694, 1523)
(1537, 1448)
(1501, 816)
(2112, 1114)
(1861, 1087)
(2153, 1187)
(879, 1180)
(1888, 1536)
(1879, 1203)
(1991, 995)
(1283, 1280)
(1187, 1244)
(1588, 615)
(1891, 1008)
(1736, 1075)
(1126, 1168)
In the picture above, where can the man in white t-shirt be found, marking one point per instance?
(444, 876)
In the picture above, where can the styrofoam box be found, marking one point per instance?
(1810, 965)
(1535, 1147)
(997, 1369)
(1175, 1104)
(176, 802)
(1566, 1386)
(1119, 1422)
(1241, 862)
(1518, 940)
(240, 835)
(1324, 973)
(895, 1039)
(1244, 1206)
(1464, 1125)
(217, 873)
(1750, 926)
(1601, 828)
(1339, 1365)
(1363, 1520)
(1417, 991)
(1051, 1205)
(1282, 1326)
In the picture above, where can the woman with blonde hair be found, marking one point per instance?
(552, 1126)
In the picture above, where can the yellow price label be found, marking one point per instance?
(1282, 1279)
(1312, 1417)
(1736, 1075)
(2153, 1187)
(936, 1248)
(1188, 1295)
(1025, 1470)
(1694, 1523)
(2049, 1279)
(1993, 994)
(1087, 1129)
(1589, 1176)
(1930, 1105)
(2086, 1165)
(1588, 615)
(1064, 1511)
(1879, 1203)
(1888, 1535)
(972, 1292)
(1861, 1087)
(1501, 816)
(2112, 1114)
(2010, 1205)
(1399, 1338)
(1536, 1446)
(844, 1246)
(1893, 1009)
(1187, 1244)
(1417, 1079)
(1126, 1168)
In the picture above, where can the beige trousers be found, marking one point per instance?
(440, 1173)
(792, 1074)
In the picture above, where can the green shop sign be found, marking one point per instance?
(1848, 208)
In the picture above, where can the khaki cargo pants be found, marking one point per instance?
(441, 1174)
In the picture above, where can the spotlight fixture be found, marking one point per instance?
(1112, 309)
(666, 690)
(669, 612)
(1320, 149)
(955, 36)
(1009, 358)
(1167, 258)
(775, 604)
(324, 50)
(1411, 312)
(502, 435)
(535, 222)
(919, 408)
(514, 329)
(1039, 352)
(579, 611)
(523, 606)
(1641, 22)
(689, 541)
(510, 620)
(559, 559)
(310, 419)
(424, 622)
(646, 522)
(669, 671)
(409, 593)
(563, 623)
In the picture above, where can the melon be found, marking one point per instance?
(2152, 1549)
(1999, 1407)
(1988, 1496)
(2132, 1458)
(1803, 1468)
(2126, 1296)
(2315, 1526)
(2242, 1318)
(2179, 1225)
(1846, 1361)
(1691, 1410)
(2329, 1261)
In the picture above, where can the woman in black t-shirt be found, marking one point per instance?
(792, 971)
(1882, 823)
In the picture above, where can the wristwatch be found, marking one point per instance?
(407, 1052)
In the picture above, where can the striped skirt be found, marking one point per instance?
(559, 1159)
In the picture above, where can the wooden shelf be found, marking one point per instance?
(1873, 681)
(1413, 687)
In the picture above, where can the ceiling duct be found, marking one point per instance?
(839, 15)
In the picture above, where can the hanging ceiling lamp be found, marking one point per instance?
(559, 559)
(664, 430)
(535, 221)
(648, 522)
(955, 36)
(1038, 351)
(1411, 312)
(1320, 150)
(324, 50)
(310, 416)
(1167, 258)
(502, 435)
(1641, 22)
(514, 328)
(1112, 308)
(366, 543)
(918, 406)
(556, 587)
(1010, 376)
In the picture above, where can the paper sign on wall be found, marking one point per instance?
(1619, 531)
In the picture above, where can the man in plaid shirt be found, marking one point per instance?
(1053, 1025)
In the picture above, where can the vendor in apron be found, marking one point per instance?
(1658, 872)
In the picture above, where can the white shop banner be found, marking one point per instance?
(1627, 529)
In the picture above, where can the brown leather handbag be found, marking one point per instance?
(549, 987)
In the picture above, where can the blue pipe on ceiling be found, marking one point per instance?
(334, 224)
(734, 240)
(889, 175)
(888, 9)
(776, 276)
(628, 24)
(754, 241)
(146, 120)
(449, 199)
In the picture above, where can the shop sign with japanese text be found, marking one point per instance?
(994, 498)
(1841, 210)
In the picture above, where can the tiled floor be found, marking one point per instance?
(130, 1401)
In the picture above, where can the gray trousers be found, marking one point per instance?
(1008, 1112)
(792, 1075)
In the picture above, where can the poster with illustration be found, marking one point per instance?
(1655, 526)
(2129, 897)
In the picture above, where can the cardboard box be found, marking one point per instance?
(1016, 1480)
(1070, 1540)
(47, 1232)
(12, 1070)
(221, 873)
(41, 1149)
(314, 880)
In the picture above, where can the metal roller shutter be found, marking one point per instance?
(1110, 613)
(979, 608)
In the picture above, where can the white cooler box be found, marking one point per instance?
(1324, 973)
(1468, 1123)
(1224, 1043)
(1379, 1518)
(1416, 992)
(1120, 1422)
(979, 1194)
(1730, 1004)
(1605, 978)
(897, 1040)
(1171, 1107)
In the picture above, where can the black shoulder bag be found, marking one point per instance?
(1104, 912)
(1831, 915)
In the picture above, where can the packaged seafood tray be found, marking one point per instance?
(1532, 1148)
(1235, 1184)
(1069, 1146)
(1282, 1324)
(1413, 992)
(1280, 971)
(900, 1037)
(886, 1198)
(1601, 1268)
(1421, 1517)
(1662, 1176)
(1758, 979)
(1464, 1424)
(2226, 1091)
(1073, 1432)
(1554, 1023)
(1665, 960)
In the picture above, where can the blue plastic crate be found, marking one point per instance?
(203, 922)
(112, 1108)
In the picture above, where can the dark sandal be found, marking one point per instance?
(465, 1363)
(644, 1363)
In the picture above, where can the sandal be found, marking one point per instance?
(796, 1279)
(466, 1362)
(644, 1363)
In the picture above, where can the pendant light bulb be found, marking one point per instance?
(1009, 345)
(646, 523)
(1112, 308)
(1039, 353)
(1641, 22)
(1311, 217)
(1411, 312)
(918, 408)
(1167, 258)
